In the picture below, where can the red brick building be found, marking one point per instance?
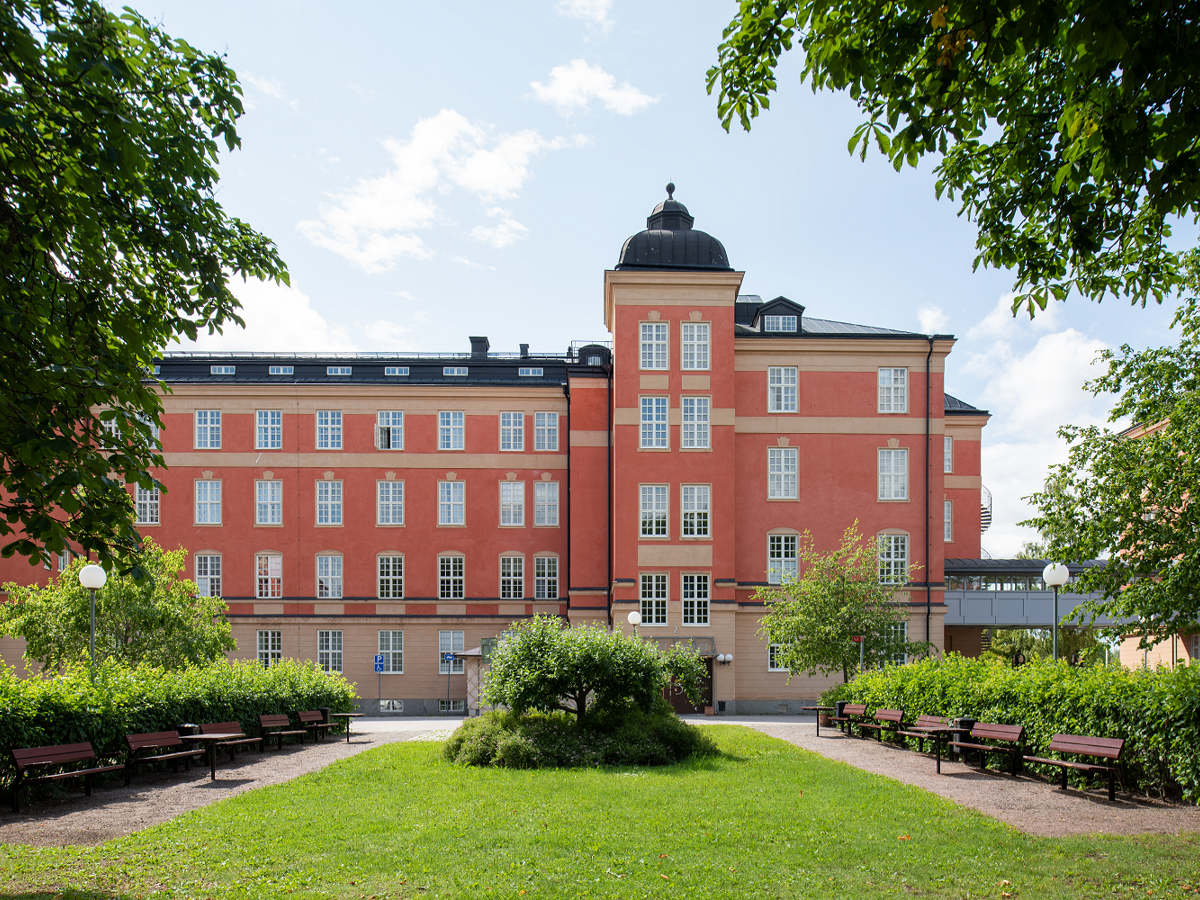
(348, 506)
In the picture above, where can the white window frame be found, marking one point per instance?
(695, 505)
(270, 647)
(783, 473)
(512, 432)
(389, 429)
(545, 578)
(948, 454)
(329, 502)
(454, 371)
(452, 705)
(696, 592)
(208, 429)
(268, 576)
(893, 473)
(512, 576)
(389, 502)
(785, 324)
(329, 576)
(783, 557)
(329, 650)
(654, 592)
(208, 574)
(545, 432)
(452, 503)
(948, 521)
(772, 658)
(391, 648)
(389, 577)
(512, 504)
(452, 430)
(329, 429)
(395, 371)
(222, 370)
(893, 559)
(450, 641)
(654, 345)
(529, 372)
(654, 511)
(655, 423)
(545, 504)
(782, 389)
(893, 390)
(268, 429)
(148, 505)
(696, 432)
(339, 370)
(694, 344)
(452, 577)
(281, 370)
(268, 502)
(208, 501)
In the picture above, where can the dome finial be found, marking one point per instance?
(670, 190)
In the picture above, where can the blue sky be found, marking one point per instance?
(432, 171)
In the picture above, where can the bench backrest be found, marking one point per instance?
(274, 721)
(155, 739)
(854, 709)
(1105, 748)
(221, 728)
(930, 721)
(312, 715)
(992, 732)
(51, 756)
(889, 715)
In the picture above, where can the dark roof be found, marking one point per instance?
(956, 407)
(1008, 566)
(747, 314)
(670, 242)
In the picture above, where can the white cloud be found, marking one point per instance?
(508, 231)
(592, 12)
(932, 318)
(573, 87)
(1001, 322)
(374, 223)
(272, 87)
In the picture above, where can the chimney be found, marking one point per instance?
(524, 351)
(479, 347)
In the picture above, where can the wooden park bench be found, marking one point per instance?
(1008, 740)
(232, 743)
(924, 729)
(39, 758)
(314, 721)
(1088, 747)
(279, 727)
(851, 713)
(885, 720)
(159, 746)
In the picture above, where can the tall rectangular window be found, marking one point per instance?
(329, 503)
(389, 430)
(694, 345)
(268, 429)
(329, 650)
(654, 599)
(695, 510)
(452, 497)
(948, 520)
(147, 504)
(208, 429)
(893, 390)
(450, 578)
(208, 575)
(695, 423)
(270, 648)
(391, 578)
(450, 642)
(545, 578)
(512, 577)
(654, 510)
(389, 509)
(893, 474)
(512, 431)
(545, 432)
(900, 633)
(695, 599)
(512, 503)
(893, 558)
(391, 648)
(947, 454)
(782, 473)
(774, 663)
(654, 345)
(451, 430)
(329, 577)
(781, 389)
(268, 508)
(329, 429)
(208, 503)
(781, 557)
(654, 422)
(545, 503)
(269, 576)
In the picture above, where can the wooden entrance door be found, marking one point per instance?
(679, 700)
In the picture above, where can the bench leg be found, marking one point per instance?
(128, 770)
(1063, 786)
(16, 794)
(87, 785)
(1112, 787)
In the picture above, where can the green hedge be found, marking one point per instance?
(1156, 711)
(43, 711)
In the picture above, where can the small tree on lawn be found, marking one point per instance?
(838, 596)
(158, 620)
(583, 670)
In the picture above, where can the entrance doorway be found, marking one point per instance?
(679, 700)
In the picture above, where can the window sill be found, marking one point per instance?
(654, 449)
(782, 499)
(654, 537)
(511, 526)
(268, 524)
(148, 524)
(207, 524)
(695, 537)
(695, 449)
(460, 525)
(894, 500)
(338, 525)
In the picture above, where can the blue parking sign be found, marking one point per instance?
(448, 657)
(378, 662)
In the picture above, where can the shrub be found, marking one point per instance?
(43, 711)
(1156, 711)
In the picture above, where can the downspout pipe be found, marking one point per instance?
(928, 423)
(609, 476)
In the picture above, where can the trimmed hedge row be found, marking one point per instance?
(43, 711)
(1156, 711)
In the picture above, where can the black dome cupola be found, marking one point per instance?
(670, 242)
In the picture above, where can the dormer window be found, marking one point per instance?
(338, 370)
(454, 371)
(282, 370)
(221, 370)
(531, 372)
(779, 323)
(395, 371)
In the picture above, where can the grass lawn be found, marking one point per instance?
(766, 820)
